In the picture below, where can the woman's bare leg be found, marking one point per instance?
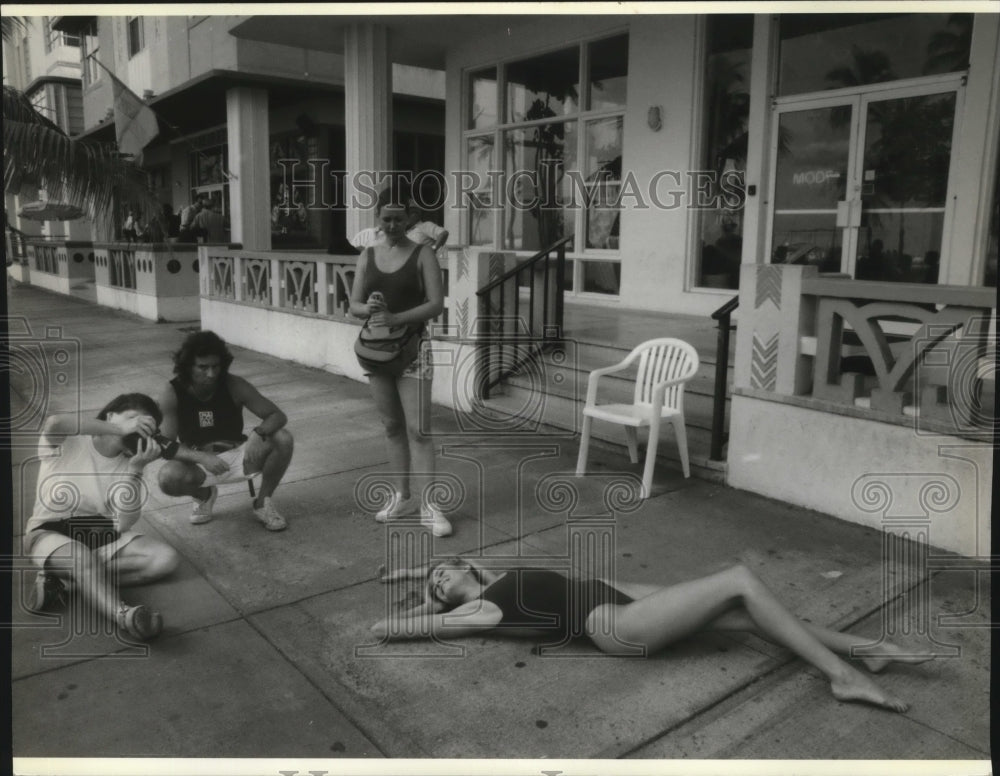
(414, 398)
(836, 641)
(681, 610)
(397, 446)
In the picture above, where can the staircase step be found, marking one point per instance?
(554, 414)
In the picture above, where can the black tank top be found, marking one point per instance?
(549, 601)
(216, 419)
(403, 289)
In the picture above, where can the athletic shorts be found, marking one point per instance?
(97, 533)
(422, 367)
(234, 458)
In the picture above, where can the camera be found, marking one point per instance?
(168, 446)
(44, 373)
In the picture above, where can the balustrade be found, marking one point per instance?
(301, 283)
(882, 350)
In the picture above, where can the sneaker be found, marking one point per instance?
(432, 517)
(139, 621)
(202, 511)
(47, 593)
(397, 507)
(269, 516)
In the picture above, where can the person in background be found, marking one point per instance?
(209, 223)
(188, 214)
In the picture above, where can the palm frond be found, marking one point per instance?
(94, 176)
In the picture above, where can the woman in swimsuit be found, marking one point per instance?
(398, 282)
(645, 617)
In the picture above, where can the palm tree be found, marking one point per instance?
(37, 154)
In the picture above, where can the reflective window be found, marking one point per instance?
(542, 87)
(479, 161)
(831, 51)
(603, 170)
(726, 108)
(608, 73)
(536, 189)
(482, 99)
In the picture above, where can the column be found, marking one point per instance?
(247, 128)
(758, 171)
(367, 119)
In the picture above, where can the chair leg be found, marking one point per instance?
(581, 459)
(632, 438)
(682, 444)
(647, 472)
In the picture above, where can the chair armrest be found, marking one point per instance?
(595, 375)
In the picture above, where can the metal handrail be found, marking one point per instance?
(724, 316)
(551, 315)
(523, 265)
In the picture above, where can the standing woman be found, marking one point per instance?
(90, 494)
(398, 282)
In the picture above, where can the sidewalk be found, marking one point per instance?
(267, 651)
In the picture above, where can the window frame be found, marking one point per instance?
(583, 116)
(140, 34)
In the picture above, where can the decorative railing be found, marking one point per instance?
(297, 282)
(892, 352)
(899, 348)
(121, 268)
(516, 327)
(46, 258)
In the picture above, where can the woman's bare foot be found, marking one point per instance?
(852, 685)
(893, 653)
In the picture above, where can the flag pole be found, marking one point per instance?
(176, 129)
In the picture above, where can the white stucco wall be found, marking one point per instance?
(824, 461)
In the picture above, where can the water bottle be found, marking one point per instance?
(379, 332)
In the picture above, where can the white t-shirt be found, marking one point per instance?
(425, 232)
(78, 480)
(366, 238)
(422, 233)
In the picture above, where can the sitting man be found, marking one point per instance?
(203, 408)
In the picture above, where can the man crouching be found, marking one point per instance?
(203, 409)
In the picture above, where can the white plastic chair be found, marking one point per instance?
(664, 366)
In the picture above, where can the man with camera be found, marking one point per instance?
(203, 408)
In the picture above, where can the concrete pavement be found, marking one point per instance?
(267, 651)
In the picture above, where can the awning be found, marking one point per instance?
(44, 210)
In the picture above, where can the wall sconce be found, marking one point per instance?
(655, 118)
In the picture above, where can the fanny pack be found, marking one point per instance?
(387, 350)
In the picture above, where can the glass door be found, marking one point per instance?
(861, 181)
(902, 173)
(810, 210)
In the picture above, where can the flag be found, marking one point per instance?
(135, 122)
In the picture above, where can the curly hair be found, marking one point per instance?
(199, 345)
(132, 401)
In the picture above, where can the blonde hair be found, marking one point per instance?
(454, 562)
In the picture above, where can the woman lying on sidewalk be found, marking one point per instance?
(90, 494)
(614, 617)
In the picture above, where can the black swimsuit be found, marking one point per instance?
(549, 601)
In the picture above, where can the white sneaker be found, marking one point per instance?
(202, 511)
(397, 507)
(432, 517)
(269, 516)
